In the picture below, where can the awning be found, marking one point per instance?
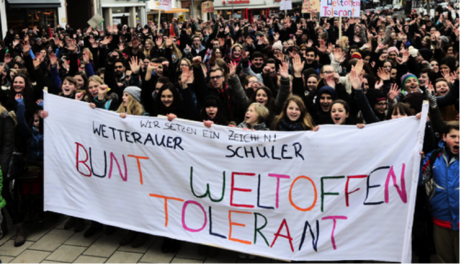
(172, 11)
(34, 3)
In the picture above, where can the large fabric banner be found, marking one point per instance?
(341, 193)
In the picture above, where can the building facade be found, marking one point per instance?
(21, 14)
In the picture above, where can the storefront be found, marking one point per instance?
(124, 12)
(21, 14)
(249, 9)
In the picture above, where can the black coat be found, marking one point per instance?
(6, 141)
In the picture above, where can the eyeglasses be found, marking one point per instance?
(381, 104)
(215, 77)
(328, 72)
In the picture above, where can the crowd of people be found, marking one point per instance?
(278, 72)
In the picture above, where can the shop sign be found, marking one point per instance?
(239, 2)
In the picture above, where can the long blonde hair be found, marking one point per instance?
(305, 118)
(133, 107)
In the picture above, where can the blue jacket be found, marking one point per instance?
(444, 204)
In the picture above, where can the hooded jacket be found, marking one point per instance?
(319, 116)
(445, 202)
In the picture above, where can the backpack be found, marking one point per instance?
(428, 180)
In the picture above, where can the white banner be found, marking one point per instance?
(341, 193)
(165, 5)
(286, 5)
(340, 8)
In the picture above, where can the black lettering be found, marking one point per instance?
(169, 142)
(177, 141)
(149, 138)
(136, 136)
(127, 137)
(113, 132)
(246, 152)
(373, 186)
(162, 143)
(265, 153)
(283, 150)
(298, 148)
(273, 154)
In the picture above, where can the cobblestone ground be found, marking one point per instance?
(51, 243)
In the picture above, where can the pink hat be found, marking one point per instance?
(393, 49)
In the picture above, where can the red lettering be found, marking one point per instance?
(82, 161)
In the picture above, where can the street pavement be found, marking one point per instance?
(51, 243)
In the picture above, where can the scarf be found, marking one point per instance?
(286, 125)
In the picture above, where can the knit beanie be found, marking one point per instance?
(406, 77)
(426, 54)
(393, 49)
(374, 96)
(278, 45)
(134, 91)
(356, 55)
(329, 90)
(449, 62)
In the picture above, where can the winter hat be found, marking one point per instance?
(415, 100)
(449, 62)
(278, 45)
(329, 90)
(406, 77)
(134, 92)
(38, 39)
(426, 54)
(444, 39)
(374, 96)
(413, 51)
(393, 49)
(356, 55)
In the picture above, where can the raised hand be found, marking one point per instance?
(359, 66)
(322, 46)
(232, 68)
(185, 77)
(298, 65)
(355, 79)
(159, 41)
(121, 46)
(7, 58)
(53, 60)
(284, 70)
(309, 43)
(134, 65)
(394, 91)
(79, 96)
(338, 54)
(378, 85)
(26, 47)
(169, 41)
(38, 60)
(383, 74)
(86, 56)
